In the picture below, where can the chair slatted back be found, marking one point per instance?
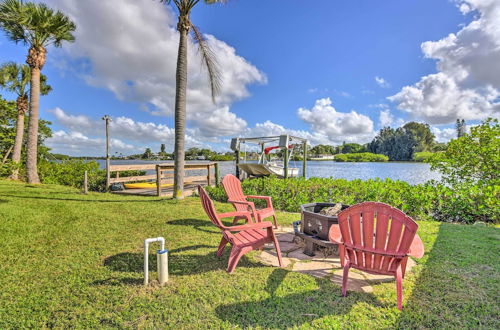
(232, 187)
(376, 236)
(209, 207)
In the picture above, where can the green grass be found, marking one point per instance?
(73, 260)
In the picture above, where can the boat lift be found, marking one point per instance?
(283, 142)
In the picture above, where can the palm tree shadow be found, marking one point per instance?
(81, 200)
(292, 310)
(180, 262)
(201, 225)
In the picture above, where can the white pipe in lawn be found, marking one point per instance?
(162, 261)
(147, 241)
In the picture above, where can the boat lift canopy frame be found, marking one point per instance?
(283, 142)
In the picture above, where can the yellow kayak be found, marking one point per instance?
(145, 185)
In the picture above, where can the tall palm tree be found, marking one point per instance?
(184, 8)
(15, 79)
(38, 26)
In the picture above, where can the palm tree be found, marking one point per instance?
(15, 79)
(183, 26)
(38, 26)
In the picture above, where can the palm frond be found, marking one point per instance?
(35, 23)
(210, 61)
(15, 78)
(183, 6)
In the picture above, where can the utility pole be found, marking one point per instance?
(107, 119)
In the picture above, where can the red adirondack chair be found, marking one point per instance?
(247, 237)
(376, 238)
(235, 195)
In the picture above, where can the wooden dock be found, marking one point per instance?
(189, 189)
(164, 175)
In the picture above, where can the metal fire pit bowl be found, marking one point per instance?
(315, 224)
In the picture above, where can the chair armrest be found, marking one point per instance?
(248, 204)
(257, 225)
(416, 247)
(239, 202)
(267, 198)
(258, 197)
(334, 235)
(235, 214)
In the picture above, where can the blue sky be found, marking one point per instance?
(333, 71)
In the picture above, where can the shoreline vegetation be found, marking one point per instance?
(469, 191)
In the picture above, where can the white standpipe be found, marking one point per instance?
(162, 260)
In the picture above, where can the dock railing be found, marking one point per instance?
(165, 174)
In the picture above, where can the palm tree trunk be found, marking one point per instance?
(32, 148)
(18, 142)
(180, 115)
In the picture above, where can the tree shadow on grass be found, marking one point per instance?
(180, 263)
(292, 310)
(454, 288)
(83, 200)
(201, 225)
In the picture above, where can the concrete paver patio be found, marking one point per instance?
(319, 265)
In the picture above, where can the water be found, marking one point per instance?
(413, 173)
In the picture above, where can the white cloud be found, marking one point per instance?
(386, 118)
(72, 122)
(382, 82)
(444, 134)
(467, 84)
(337, 126)
(76, 143)
(83, 135)
(134, 56)
(464, 8)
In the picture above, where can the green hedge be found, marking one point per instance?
(467, 204)
(361, 157)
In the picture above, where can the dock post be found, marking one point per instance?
(304, 158)
(217, 174)
(158, 180)
(285, 163)
(85, 183)
(209, 177)
(237, 154)
(107, 119)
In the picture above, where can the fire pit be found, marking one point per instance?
(314, 227)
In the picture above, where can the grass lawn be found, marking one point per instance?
(73, 260)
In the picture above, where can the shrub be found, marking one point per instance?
(71, 173)
(473, 158)
(423, 202)
(422, 156)
(361, 157)
(6, 169)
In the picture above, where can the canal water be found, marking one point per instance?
(411, 172)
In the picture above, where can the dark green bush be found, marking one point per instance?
(423, 202)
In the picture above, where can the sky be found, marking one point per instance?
(330, 72)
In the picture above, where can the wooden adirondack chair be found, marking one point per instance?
(376, 238)
(247, 237)
(235, 195)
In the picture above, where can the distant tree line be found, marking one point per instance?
(398, 144)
